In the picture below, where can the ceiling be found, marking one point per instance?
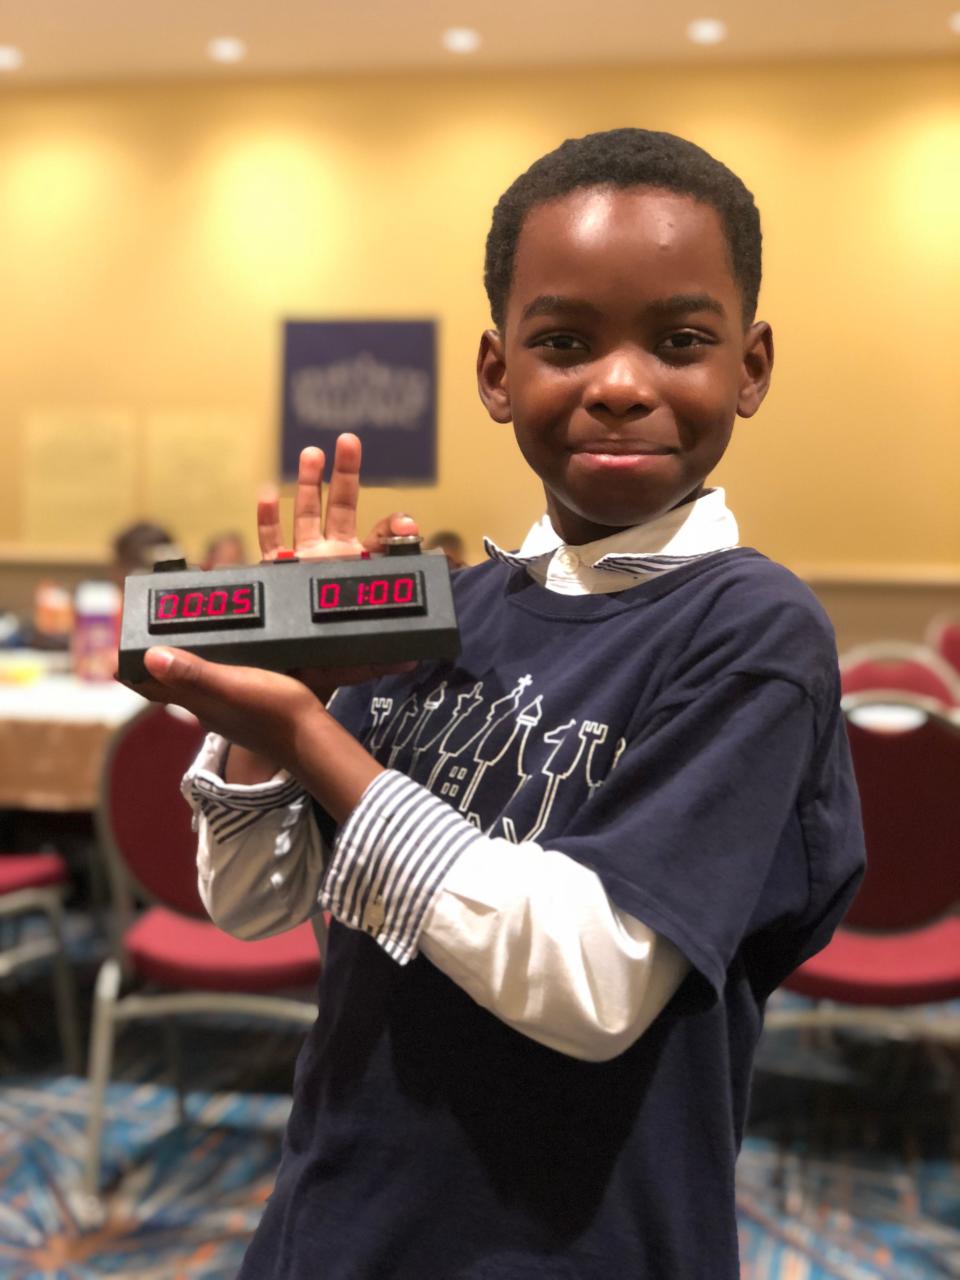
(64, 40)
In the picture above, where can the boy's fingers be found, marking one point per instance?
(343, 492)
(398, 524)
(308, 502)
(269, 532)
(402, 524)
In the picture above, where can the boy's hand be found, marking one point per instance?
(262, 711)
(269, 718)
(327, 536)
(319, 536)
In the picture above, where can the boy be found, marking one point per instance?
(566, 870)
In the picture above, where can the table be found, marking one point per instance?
(54, 731)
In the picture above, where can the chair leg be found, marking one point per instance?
(101, 1058)
(65, 994)
(172, 1044)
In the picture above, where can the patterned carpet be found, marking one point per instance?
(182, 1200)
(846, 1173)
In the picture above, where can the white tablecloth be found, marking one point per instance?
(54, 732)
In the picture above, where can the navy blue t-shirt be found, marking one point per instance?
(684, 740)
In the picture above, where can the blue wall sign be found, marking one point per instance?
(377, 378)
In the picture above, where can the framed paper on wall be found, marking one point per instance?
(376, 378)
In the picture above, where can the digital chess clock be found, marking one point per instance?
(290, 613)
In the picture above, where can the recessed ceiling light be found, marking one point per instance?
(707, 31)
(953, 22)
(11, 59)
(461, 40)
(227, 49)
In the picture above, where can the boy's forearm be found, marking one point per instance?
(245, 768)
(330, 764)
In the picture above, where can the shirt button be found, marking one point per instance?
(374, 916)
(569, 559)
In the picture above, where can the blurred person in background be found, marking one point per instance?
(225, 549)
(138, 547)
(451, 544)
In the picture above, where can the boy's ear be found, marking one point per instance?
(756, 369)
(492, 377)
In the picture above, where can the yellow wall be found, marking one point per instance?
(152, 238)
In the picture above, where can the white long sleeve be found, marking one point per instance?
(528, 932)
(259, 852)
(531, 934)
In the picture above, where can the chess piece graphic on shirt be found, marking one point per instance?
(529, 717)
(569, 752)
(449, 779)
(596, 772)
(392, 728)
(380, 709)
(416, 739)
(467, 703)
(504, 741)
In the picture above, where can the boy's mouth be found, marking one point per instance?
(623, 448)
(619, 456)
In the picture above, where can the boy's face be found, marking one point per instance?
(624, 359)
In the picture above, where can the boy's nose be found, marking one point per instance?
(621, 384)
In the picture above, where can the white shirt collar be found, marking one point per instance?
(679, 536)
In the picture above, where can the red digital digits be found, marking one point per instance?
(213, 603)
(362, 594)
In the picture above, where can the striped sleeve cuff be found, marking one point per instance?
(390, 861)
(230, 808)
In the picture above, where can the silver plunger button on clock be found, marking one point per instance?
(402, 544)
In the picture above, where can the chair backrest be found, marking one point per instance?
(907, 668)
(143, 821)
(908, 776)
(943, 637)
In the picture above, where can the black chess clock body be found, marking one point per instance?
(290, 613)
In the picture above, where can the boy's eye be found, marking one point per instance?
(685, 340)
(560, 342)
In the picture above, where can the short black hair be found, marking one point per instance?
(133, 545)
(626, 158)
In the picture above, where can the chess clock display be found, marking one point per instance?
(388, 595)
(289, 613)
(204, 608)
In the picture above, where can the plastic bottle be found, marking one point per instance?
(52, 615)
(96, 630)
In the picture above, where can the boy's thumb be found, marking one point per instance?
(173, 666)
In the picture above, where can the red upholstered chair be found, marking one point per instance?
(899, 945)
(943, 637)
(892, 666)
(35, 883)
(171, 960)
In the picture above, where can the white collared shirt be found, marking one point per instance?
(491, 913)
(622, 560)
